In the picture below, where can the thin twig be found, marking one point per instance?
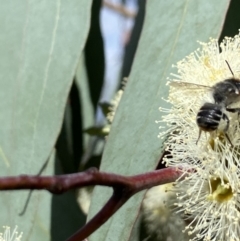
(121, 195)
(112, 205)
(62, 183)
(123, 188)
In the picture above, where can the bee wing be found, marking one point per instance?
(189, 86)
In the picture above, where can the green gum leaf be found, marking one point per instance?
(171, 31)
(41, 43)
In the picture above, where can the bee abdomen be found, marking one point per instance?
(209, 117)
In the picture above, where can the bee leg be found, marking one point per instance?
(234, 110)
(199, 135)
(225, 117)
(228, 139)
(226, 128)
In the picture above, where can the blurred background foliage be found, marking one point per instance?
(61, 65)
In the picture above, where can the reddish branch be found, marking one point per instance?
(123, 188)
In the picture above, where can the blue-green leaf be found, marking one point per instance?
(41, 43)
(171, 30)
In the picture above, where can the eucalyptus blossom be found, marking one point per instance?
(209, 197)
(9, 235)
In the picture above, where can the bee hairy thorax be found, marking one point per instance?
(227, 92)
(214, 116)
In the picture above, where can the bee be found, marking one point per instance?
(224, 94)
